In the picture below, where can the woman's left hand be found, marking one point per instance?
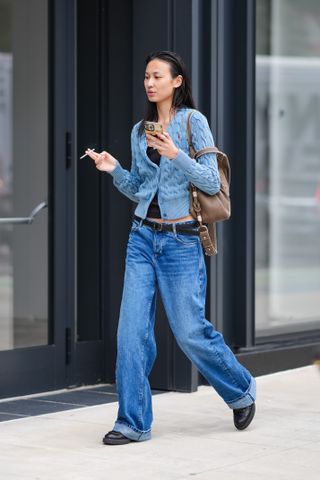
(163, 143)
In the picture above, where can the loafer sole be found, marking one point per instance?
(114, 441)
(115, 438)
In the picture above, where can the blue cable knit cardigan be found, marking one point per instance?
(171, 178)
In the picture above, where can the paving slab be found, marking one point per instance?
(192, 437)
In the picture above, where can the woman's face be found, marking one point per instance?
(158, 81)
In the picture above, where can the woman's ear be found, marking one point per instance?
(178, 81)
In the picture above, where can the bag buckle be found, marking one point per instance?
(206, 241)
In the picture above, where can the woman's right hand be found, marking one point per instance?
(104, 161)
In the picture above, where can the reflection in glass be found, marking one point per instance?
(287, 166)
(23, 172)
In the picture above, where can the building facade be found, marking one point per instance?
(71, 76)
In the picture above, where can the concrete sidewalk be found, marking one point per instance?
(193, 437)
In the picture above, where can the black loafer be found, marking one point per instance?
(242, 417)
(115, 438)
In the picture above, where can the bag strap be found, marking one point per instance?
(203, 151)
(189, 130)
(208, 245)
(222, 157)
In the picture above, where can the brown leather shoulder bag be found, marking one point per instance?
(206, 208)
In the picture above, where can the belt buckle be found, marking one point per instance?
(158, 226)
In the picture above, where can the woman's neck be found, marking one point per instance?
(165, 113)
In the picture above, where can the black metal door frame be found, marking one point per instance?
(87, 332)
(41, 368)
(64, 362)
(81, 361)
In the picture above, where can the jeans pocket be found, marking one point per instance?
(134, 226)
(187, 240)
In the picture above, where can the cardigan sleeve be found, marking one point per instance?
(203, 173)
(127, 182)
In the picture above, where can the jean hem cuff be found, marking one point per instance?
(247, 399)
(132, 433)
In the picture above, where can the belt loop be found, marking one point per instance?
(140, 222)
(174, 228)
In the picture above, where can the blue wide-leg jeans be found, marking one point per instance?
(175, 264)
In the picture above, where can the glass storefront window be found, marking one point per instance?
(287, 166)
(23, 173)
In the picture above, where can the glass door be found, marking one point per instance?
(50, 273)
(287, 167)
(26, 330)
(23, 174)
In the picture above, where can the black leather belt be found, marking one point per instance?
(190, 229)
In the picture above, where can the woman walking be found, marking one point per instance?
(164, 251)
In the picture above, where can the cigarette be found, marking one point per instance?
(86, 153)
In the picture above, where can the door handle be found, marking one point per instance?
(21, 220)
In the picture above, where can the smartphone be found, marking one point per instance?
(153, 127)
